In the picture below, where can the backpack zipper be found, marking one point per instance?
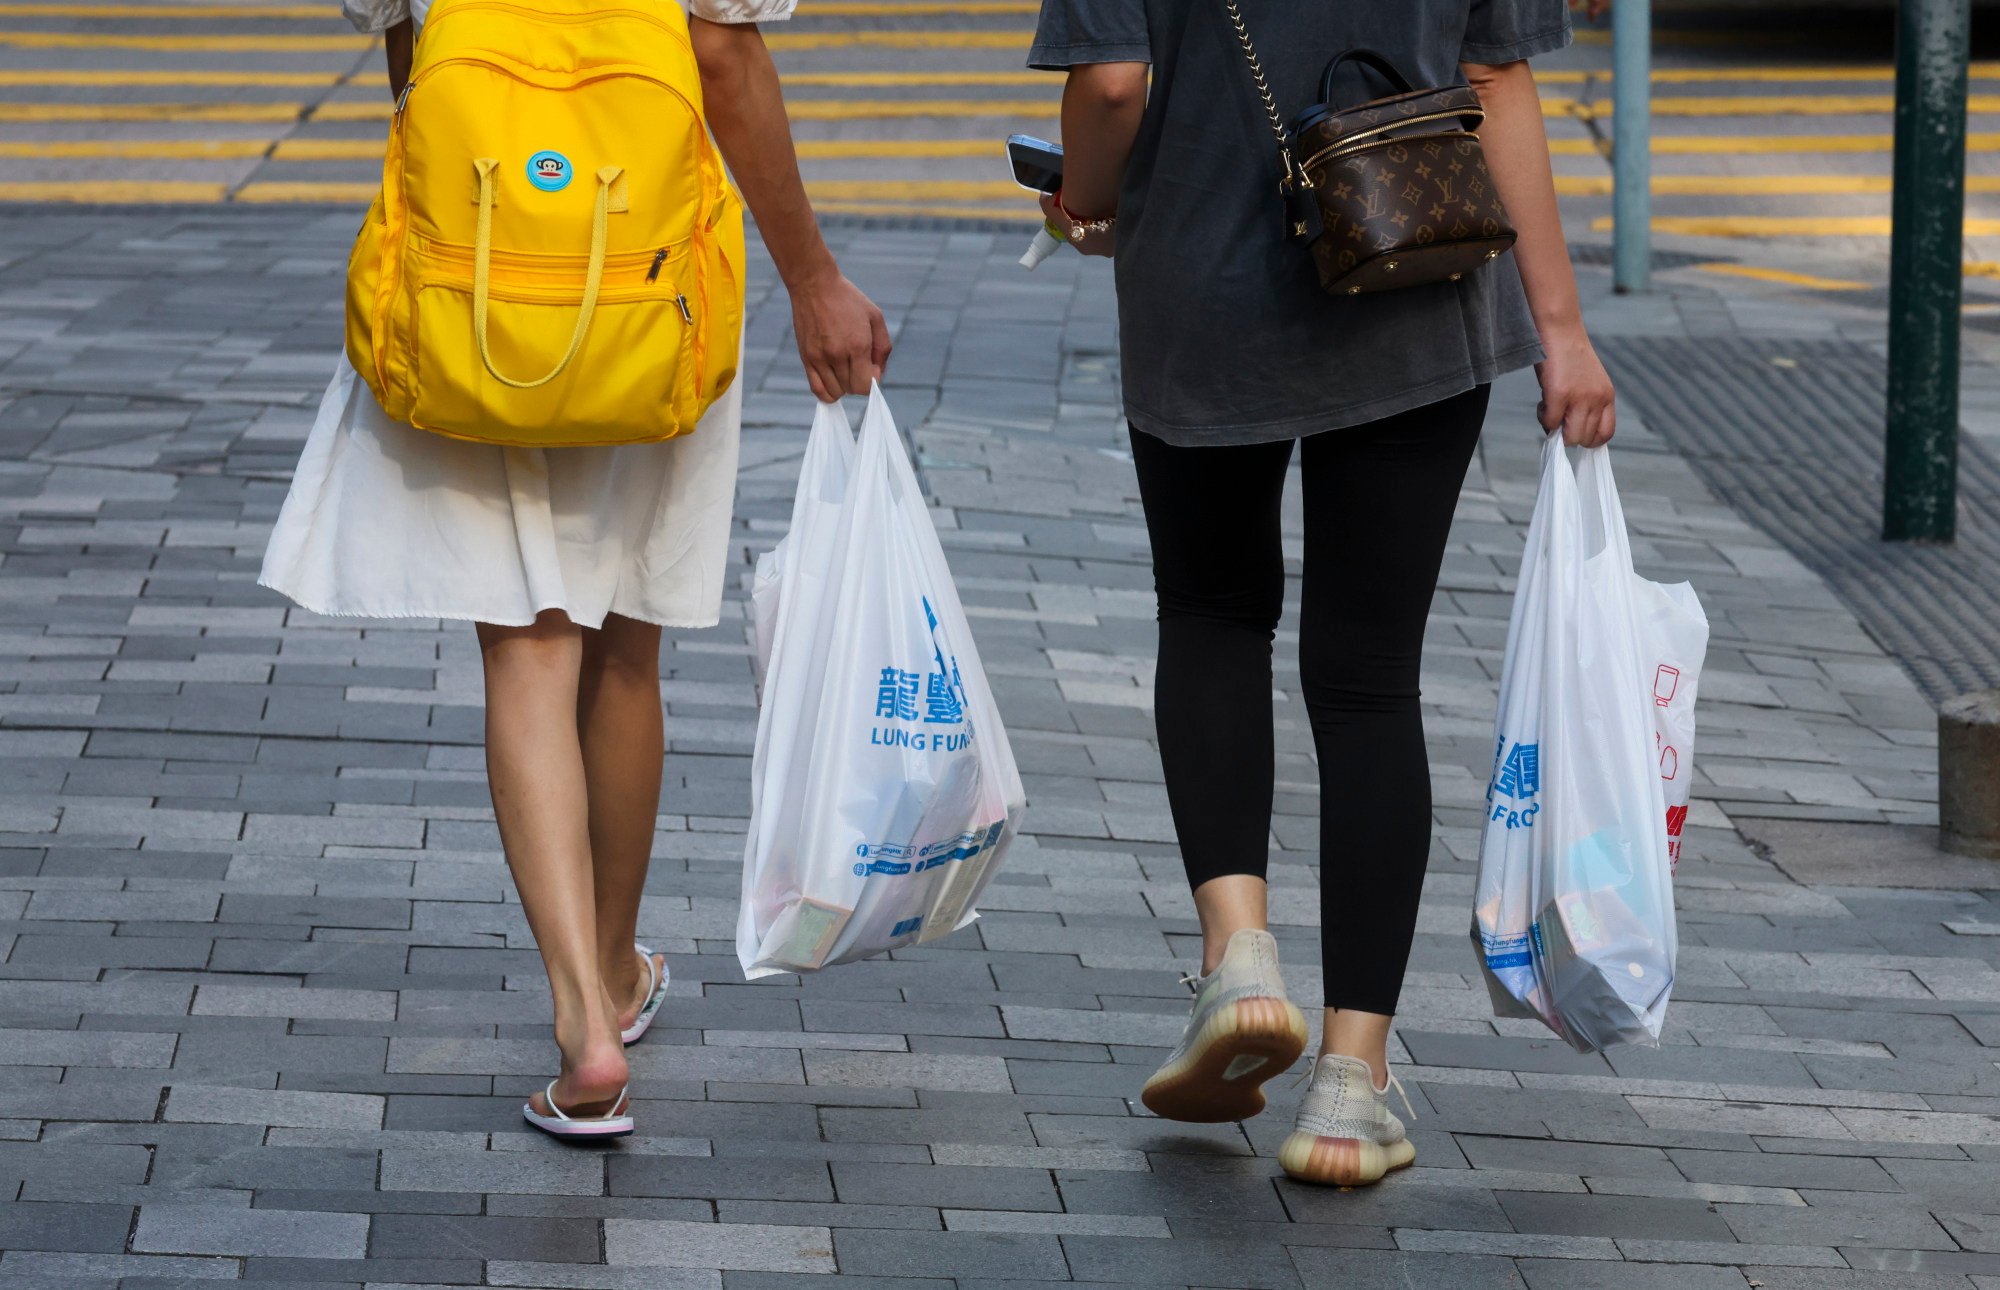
(659, 258)
(687, 315)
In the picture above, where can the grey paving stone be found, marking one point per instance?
(777, 1180)
(743, 1246)
(210, 1229)
(212, 1104)
(428, 1236)
(580, 1174)
(97, 1229)
(945, 1186)
(1577, 1274)
(1338, 1269)
(1613, 1216)
(1830, 1225)
(950, 1254)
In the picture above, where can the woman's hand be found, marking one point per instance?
(1103, 243)
(1577, 397)
(843, 340)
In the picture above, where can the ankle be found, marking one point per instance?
(1377, 1063)
(1215, 945)
(623, 973)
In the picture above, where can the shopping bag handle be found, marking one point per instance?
(482, 254)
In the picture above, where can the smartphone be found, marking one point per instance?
(1037, 163)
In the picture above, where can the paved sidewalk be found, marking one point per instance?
(268, 1004)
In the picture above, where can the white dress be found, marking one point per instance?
(387, 521)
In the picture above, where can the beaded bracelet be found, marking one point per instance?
(1079, 226)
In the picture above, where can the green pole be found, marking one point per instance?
(1631, 145)
(1919, 501)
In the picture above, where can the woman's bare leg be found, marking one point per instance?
(534, 764)
(624, 745)
(1349, 1032)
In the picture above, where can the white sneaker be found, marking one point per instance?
(1242, 1032)
(1346, 1134)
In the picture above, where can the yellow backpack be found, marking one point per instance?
(556, 256)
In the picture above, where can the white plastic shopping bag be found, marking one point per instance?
(883, 792)
(1573, 913)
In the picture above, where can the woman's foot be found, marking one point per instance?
(615, 1121)
(594, 1070)
(1346, 1134)
(643, 987)
(590, 1088)
(1242, 1032)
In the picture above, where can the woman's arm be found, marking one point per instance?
(843, 340)
(398, 42)
(1576, 392)
(1101, 109)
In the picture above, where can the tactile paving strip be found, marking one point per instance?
(1790, 434)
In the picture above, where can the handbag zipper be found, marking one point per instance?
(1368, 138)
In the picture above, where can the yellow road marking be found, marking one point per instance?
(1785, 225)
(319, 12)
(79, 190)
(927, 210)
(786, 40)
(354, 110)
(1054, 83)
(818, 149)
(1784, 277)
(147, 149)
(1774, 105)
(218, 44)
(315, 192)
(857, 109)
(1756, 185)
(1700, 144)
(328, 150)
(151, 111)
(40, 77)
(1774, 75)
(935, 190)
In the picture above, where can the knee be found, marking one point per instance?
(1245, 605)
(624, 651)
(551, 643)
(1336, 680)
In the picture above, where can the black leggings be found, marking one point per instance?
(1378, 506)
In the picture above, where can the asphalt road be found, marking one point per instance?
(1762, 132)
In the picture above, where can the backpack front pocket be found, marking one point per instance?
(631, 379)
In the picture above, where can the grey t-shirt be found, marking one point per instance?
(1227, 336)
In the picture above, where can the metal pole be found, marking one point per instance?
(1920, 487)
(1631, 145)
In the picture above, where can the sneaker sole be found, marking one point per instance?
(1220, 1079)
(1341, 1162)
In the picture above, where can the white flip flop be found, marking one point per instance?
(656, 994)
(560, 1125)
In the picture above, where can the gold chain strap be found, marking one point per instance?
(1292, 174)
